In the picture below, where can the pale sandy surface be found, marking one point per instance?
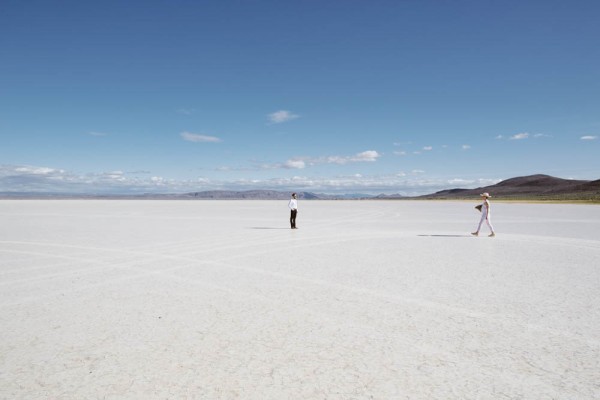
(367, 300)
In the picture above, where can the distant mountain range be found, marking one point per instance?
(203, 195)
(534, 187)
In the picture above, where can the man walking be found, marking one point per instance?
(293, 205)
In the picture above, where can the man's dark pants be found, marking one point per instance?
(293, 218)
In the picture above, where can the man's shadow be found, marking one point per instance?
(265, 227)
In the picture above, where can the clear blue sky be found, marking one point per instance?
(326, 96)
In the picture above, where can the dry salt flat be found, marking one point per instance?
(367, 300)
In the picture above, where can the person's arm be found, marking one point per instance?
(487, 209)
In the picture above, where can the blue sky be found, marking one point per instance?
(327, 96)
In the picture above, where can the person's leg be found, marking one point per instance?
(489, 224)
(293, 218)
(479, 226)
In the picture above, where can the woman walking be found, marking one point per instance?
(485, 215)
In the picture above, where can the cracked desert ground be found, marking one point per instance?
(366, 300)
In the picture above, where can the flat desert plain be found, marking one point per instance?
(366, 300)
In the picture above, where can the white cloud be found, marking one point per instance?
(114, 176)
(45, 180)
(97, 134)
(409, 185)
(31, 179)
(427, 148)
(458, 182)
(281, 116)
(303, 162)
(520, 136)
(194, 137)
(466, 147)
(331, 160)
(523, 136)
(400, 153)
(38, 171)
(365, 156)
(295, 164)
(589, 137)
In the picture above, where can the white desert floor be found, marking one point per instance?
(367, 300)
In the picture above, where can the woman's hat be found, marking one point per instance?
(486, 194)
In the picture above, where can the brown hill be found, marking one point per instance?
(536, 187)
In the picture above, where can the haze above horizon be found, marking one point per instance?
(333, 97)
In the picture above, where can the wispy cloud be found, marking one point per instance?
(36, 171)
(589, 137)
(281, 116)
(428, 148)
(365, 156)
(466, 147)
(303, 162)
(524, 135)
(97, 134)
(409, 184)
(374, 184)
(114, 175)
(194, 137)
(520, 136)
(186, 111)
(33, 179)
(294, 164)
(45, 179)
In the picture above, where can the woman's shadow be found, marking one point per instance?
(444, 235)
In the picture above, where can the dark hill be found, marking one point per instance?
(542, 187)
